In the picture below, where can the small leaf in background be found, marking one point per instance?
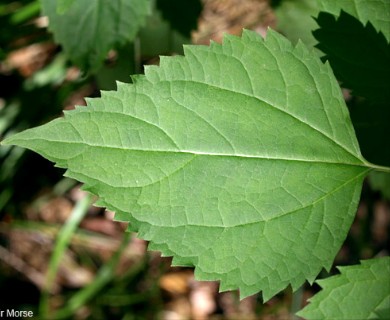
(359, 55)
(239, 159)
(122, 65)
(158, 37)
(376, 12)
(359, 292)
(295, 20)
(99, 25)
(182, 15)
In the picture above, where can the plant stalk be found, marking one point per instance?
(61, 244)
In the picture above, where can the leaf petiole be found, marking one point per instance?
(379, 168)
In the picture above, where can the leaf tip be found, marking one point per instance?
(5, 142)
(11, 140)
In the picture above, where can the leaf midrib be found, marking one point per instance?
(199, 153)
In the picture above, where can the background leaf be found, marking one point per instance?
(345, 296)
(359, 55)
(99, 26)
(238, 158)
(376, 12)
(158, 37)
(295, 20)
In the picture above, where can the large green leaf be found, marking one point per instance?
(359, 292)
(375, 11)
(239, 159)
(88, 29)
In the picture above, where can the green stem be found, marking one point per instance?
(106, 273)
(378, 168)
(296, 303)
(26, 12)
(62, 242)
